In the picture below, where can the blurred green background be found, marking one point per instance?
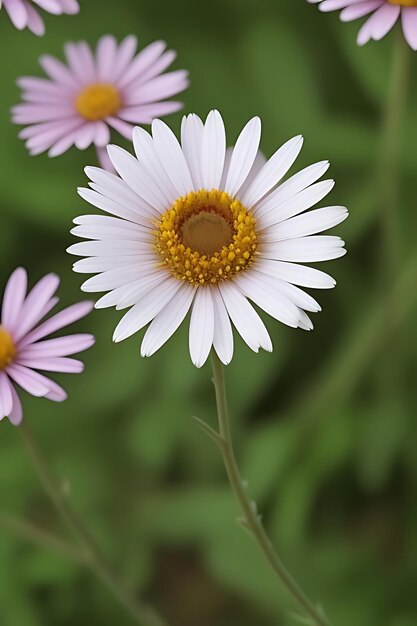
(325, 426)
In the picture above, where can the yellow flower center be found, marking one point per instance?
(7, 349)
(404, 3)
(98, 101)
(206, 237)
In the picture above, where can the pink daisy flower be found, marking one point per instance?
(21, 350)
(24, 15)
(79, 102)
(383, 15)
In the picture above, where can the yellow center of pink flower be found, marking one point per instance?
(7, 348)
(98, 101)
(206, 237)
(404, 3)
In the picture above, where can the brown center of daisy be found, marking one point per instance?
(98, 101)
(7, 348)
(206, 237)
(404, 3)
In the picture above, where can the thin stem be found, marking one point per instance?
(141, 614)
(388, 169)
(39, 536)
(251, 517)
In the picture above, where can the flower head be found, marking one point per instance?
(24, 15)
(79, 102)
(201, 228)
(383, 15)
(23, 348)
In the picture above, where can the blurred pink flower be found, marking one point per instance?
(384, 14)
(22, 352)
(23, 14)
(79, 102)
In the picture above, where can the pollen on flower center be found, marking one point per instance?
(404, 3)
(206, 237)
(7, 348)
(98, 101)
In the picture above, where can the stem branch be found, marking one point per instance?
(142, 614)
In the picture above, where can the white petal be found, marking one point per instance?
(104, 204)
(306, 224)
(258, 164)
(261, 290)
(172, 158)
(297, 204)
(192, 130)
(145, 310)
(243, 157)
(223, 333)
(201, 326)
(137, 178)
(272, 172)
(124, 230)
(148, 158)
(116, 277)
(92, 265)
(292, 186)
(128, 295)
(108, 248)
(213, 151)
(305, 249)
(299, 297)
(167, 321)
(244, 317)
(114, 188)
(301, 275)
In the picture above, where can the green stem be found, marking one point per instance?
(388, 170)
(251, 517)
(29, 531)
(140, 613)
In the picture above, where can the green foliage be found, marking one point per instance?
(325, 426)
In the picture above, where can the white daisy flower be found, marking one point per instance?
(194, 226)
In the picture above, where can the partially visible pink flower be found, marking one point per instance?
(383, 15)
(23, 14)
(81, 101)
(23, 348)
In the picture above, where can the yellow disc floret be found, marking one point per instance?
(98, 101)
(206, 237)
(404, 3)
(7, 348)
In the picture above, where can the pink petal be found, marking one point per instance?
(13, 299)
(6, 398)
(124, 56)
(17, 13)
(163, 86)
(16, 414)
(409, 23)
(28, 380)
(355, 11)
(32, 310)
(142, 62)
(379, 24)
(146, 113)
(35, 23)
(58, 364)
(61, 346)
(58, 71)
(106, 58)
(60, 320)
